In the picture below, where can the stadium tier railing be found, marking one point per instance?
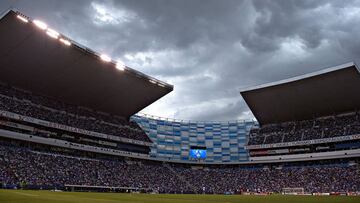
(305, 142)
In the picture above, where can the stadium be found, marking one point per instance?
(64, 133)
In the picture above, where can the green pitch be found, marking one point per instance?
(24, 196)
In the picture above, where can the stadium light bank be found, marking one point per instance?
(64, 40)
(119, 65)
(56, 35)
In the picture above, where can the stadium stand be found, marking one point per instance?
(28, 104)
(71, 132)
(43, 169)
(333, 126)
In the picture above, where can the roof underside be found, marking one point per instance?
(330, 91)
(31, 60)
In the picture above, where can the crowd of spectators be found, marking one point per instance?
(312, 179)
(40, 107)
(333, 126)
(22, 165)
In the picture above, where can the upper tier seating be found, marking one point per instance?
(40, 107)
(333, 126)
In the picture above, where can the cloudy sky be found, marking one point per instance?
(208, 49)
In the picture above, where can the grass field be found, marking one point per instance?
(26, 196)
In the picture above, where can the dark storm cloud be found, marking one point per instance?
(209, 49)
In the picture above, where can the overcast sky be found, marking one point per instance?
(208, 49)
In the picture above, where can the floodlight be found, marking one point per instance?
(120, 66)
(105, 58)
(52, 33)
(22, 18)
(40, 24)
(64, 41)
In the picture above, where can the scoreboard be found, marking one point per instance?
(197, 153)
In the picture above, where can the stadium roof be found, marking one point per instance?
(39, 59)
(327, 92)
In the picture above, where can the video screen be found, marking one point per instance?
(197, 153)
